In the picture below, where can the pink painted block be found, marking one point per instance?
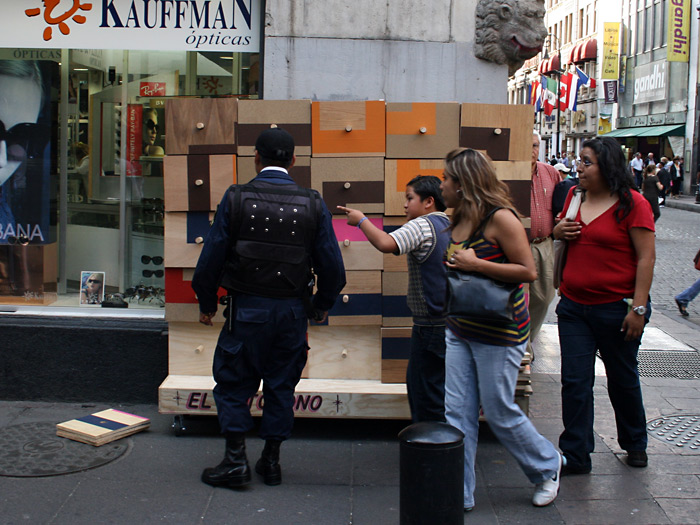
(352, 233)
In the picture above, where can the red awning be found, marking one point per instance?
(549, 66)
(583, 51)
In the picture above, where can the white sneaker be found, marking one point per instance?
(546, 492)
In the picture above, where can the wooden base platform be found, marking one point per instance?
(319, 398)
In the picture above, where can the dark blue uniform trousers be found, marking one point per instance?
(267, 342)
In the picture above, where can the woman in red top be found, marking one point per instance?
(604, 303)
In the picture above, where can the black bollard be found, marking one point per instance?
(432, 474)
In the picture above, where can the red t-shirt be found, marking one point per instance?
(601, 265)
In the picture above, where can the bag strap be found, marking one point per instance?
(574, 204)
(485, 220)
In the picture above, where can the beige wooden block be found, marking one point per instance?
(394, 283)
(191, 347)
(222, 173)
(396, 322)
(343, 352)
(320, 398)
(360, 255)
(395, 263)
(245, 169)
(421, 130)
(513, 170)
(175, 183)
(515, 118)
(178, 253)
(358, 282)
(355, 320)
(398, 173)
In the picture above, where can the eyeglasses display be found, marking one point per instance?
(157, 260)
(154, 273)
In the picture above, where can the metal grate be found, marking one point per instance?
(662, 363)
(677, 430)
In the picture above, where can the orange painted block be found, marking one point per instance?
(424, 130)
(398, 173)
(348, 129)
(503, 131)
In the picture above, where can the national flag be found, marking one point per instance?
(532, 92)
(564, 91)
(584, 79)
(550, 96)
(573, 92)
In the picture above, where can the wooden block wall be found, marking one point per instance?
(355, 153)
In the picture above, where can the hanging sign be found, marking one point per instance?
(678, 30)
(173, 25)
(611, 47)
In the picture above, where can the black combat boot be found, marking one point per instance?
(268, 465)
(233, 471)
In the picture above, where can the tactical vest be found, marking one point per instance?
(272, 228)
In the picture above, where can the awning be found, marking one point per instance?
(549, 66)
(675, 130)
(583, 51)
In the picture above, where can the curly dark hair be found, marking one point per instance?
(613, 169)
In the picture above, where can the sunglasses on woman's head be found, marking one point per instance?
(31, 138)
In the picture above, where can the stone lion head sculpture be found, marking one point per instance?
(509, 31)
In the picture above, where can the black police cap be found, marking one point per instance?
(275, 144)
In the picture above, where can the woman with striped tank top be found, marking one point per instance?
(483, 357)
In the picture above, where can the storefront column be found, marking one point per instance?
(63, 173)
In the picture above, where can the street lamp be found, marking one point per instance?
(545, 56)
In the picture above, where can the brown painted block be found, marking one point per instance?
(396, 343)
(421, 130)
(348, 128)
(197, 122)
(397, 174)
(520, 195)
(254, 116)
(395, 311)
(504, 131)
(360, 301)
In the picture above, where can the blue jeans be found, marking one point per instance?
(689, 294)
(425, 375)
(583, 329)
(476, 373)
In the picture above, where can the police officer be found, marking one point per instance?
(267, 238)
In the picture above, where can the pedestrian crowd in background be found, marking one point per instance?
(462, 360)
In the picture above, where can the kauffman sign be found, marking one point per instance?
(174, 25)
(650, 82)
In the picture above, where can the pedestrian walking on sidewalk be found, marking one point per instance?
(690, 293)
(604, 303)
(483, 357)
(266, 237)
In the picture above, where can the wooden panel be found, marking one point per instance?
(395, 353)
(395, 311)
(188, 313)
(191, 347)
(197, 121)
(513, 170)
(323, 398)
(398, 173)
(222, 173)
(175, 182)
(421, 130)
(479, 121)
(184, 236)
(360, 301)
(256, 115)
(345, 171)
(343, 352)
(357, 252)
(348, 129)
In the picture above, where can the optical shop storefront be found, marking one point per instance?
(83, 91)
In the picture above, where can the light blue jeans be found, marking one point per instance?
(689, 294)
(479, 374)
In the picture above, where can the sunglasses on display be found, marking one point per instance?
(31, 139)
(155, 273)
(152, 126)
(157, 260)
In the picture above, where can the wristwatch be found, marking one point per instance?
(639, 310)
